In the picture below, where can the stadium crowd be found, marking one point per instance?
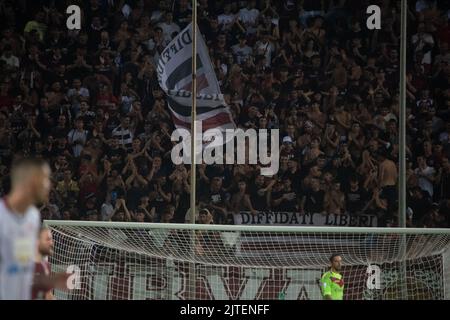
(89, 102)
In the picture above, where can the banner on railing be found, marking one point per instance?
(307, 219)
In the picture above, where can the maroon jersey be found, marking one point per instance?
(41, 268)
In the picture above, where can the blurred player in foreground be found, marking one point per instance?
(19, 227)
(332, 282)
(42, 266)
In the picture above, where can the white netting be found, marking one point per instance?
(157, 261)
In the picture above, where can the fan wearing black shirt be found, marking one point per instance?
(115, 153)
(420, 203)
(113, 119)
(182, 13)
(62, 148)
(61, 129)
(284, 199)
(258, 193)
(160, 195)
(313, 200)
(355, 197)
(293, 173)
(216, 200)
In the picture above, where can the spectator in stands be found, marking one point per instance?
(89, 102)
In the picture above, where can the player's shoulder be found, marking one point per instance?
(3, 208)
(33, 211)
(34, 215)
(326, 274)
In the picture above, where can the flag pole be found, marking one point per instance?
(192, 292)
(402, 122)
(194, 109)
(402, 206)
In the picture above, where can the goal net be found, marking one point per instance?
(111, 260)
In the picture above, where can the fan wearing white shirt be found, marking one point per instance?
(423, 41)
(227, 18)
(77, 137)
(168, 26)
(11, 61)
(265, 48)
(444, 137)
(76, 94)
(241, 51)
(425, 175)
(249, 14)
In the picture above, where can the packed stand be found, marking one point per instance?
(90, 103)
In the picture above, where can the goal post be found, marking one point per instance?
(115, 260)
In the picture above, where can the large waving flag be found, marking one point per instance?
(175, 78)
